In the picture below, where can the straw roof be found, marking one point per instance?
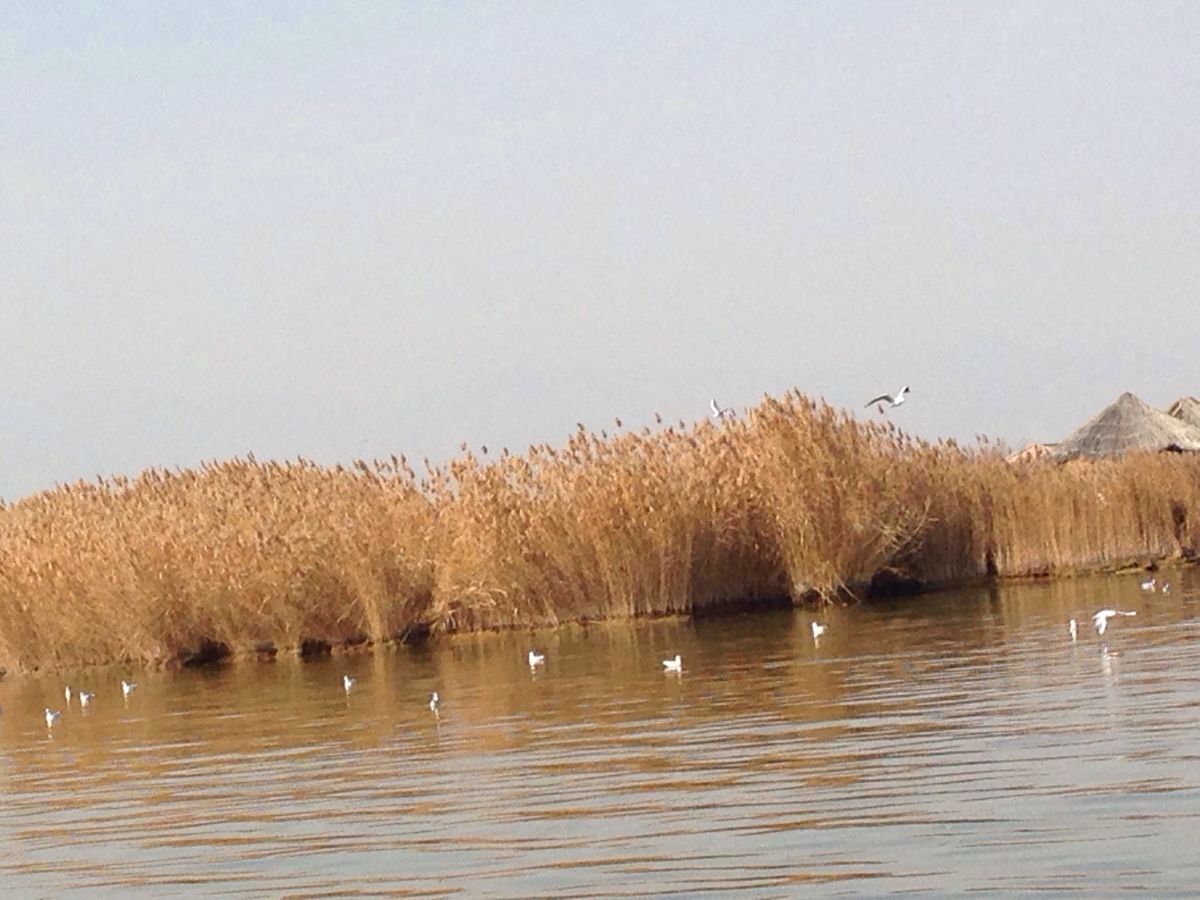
(1128, 426)
(1186, 409)
(1032, 452)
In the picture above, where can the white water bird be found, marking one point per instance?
(128, 687)
(348, 683)
(435, 702)
(673, 665)
(817, 631)
(536, 659)
(1100, 619)
(1166, 588)
(1073, 627)
(85, 697)
(51, 717)
(67, 694)
(1149, 585)
(892, 400)
(720, 412)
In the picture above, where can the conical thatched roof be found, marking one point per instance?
(1031, 453)
(1186, 409)
(1128, 426)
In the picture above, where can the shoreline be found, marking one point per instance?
(795, 504)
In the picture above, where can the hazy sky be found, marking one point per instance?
(350, 230)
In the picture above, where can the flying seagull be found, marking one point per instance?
(348, 683)
(536, 659)
(718, 411)
(85, 697)
(51, 716)
(892, 400)
(127, 687)
(673, 665)
(1100, 619)
(817, 631)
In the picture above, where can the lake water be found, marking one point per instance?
(947, 743)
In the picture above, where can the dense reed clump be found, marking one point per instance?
(234, 557)
(794, 501)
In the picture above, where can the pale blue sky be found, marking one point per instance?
(350, 230)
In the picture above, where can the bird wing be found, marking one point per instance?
(879, 399)
(712, 404)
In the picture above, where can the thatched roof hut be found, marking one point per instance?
(1128, 426)
(1186, 409)
(1032, 452)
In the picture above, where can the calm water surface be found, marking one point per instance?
(949, 743)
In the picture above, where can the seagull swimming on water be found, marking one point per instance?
(51, 717)
(127, 687)
(536, 659)
(720, 412)
(1100, 619)
(892, 400)
(817, 631)
(673, 665)
(348, 683)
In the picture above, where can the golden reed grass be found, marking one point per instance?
(795, 500)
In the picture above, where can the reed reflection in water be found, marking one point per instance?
(948, 743)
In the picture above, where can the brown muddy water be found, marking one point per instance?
(947, 743)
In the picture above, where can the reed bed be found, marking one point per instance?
(796, 501)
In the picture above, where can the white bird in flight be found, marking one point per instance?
(673, 665)
(85, 698)
(1073, 627)
(1149, 585)
(817, 631)
(128, 687)
(51, 717)
(1100, 619)
(892, 400)
(720, 412)
(348, 683)
(434, 702)
(536, 659)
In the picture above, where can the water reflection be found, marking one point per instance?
(921, 745)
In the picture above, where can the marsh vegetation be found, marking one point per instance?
(795, 501)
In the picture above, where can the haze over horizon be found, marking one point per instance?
(352, 230)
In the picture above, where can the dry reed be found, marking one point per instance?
(796, 500)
